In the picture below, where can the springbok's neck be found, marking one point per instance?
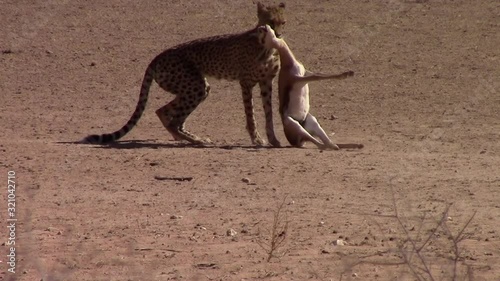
(286, 56)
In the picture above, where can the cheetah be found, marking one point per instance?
(299, 125)
(182, 71)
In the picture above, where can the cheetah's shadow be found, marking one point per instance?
(152, 144)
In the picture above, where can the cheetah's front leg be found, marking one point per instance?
(266, 92)
(246, 90)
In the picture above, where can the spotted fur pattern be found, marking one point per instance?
(182, 71)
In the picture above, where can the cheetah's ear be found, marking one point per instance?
(260, 7)
(282, 5)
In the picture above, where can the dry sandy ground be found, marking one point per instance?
(425, 101)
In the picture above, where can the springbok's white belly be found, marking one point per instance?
(298, 105)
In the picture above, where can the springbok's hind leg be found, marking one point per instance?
(312, 126)
(300, 134)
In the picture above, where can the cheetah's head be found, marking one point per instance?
(273, 16)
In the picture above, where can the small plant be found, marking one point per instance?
(422, 246)
(413, 253)
(277, 234)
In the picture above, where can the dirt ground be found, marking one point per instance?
(425, 102)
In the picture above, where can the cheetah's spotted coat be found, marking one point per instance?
(182, 71)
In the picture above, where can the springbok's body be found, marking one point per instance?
(299, 125)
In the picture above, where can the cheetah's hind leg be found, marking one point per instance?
(188, 97)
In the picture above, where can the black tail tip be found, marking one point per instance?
(101, 139)
(92, 139)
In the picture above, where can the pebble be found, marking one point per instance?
(339, 242)
(231, 232)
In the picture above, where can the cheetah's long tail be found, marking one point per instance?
(139, 109)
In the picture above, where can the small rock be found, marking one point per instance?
(245, 180)
(175, 217)
(207, 265)
(339, 242)
(231, 232)
(321, 223)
